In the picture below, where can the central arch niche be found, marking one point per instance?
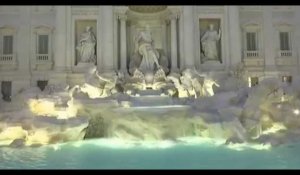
(155, 18)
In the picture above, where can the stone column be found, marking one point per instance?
(116, 41)
(173, 19)
(99, 39)
(107, 20)
(181, 39)
(25, 54)
(68, 36)
(268, 39)
(235, 35)
(59, 76)
(60, 39)
(164, 35)
(297, 35)
(188, 34)
(123, 49)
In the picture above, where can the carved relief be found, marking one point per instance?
(210, 9)
(147, 9)
(85, 10)
(42, 9)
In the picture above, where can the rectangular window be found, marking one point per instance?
(252, 81)
(42, 84)
(8, 45)
(287, 79)
(251, 41)
(284, 41)
(43, 44)
(6, 87)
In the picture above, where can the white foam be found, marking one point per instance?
(117, 143)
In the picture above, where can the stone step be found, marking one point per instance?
(151, 100)
(149, 92)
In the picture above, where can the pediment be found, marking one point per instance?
(283, 26)
(7, 29)
(43, 29)
(251, 26)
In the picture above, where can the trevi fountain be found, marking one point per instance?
(133, 76)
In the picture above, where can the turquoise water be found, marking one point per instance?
(97, 154)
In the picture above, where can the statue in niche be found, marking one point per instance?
(148, 66)
(209, 43)
(86, 47)
(144, 45)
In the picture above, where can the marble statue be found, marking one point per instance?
(144, 45)
(209, 43)
(179, 88)
(146, 58)
(207, 88)
(148, 66)
(92, 91)
(86, 47)
(186, 80)
(109, 84)
(99, 86)
(193, 84)
(184, 84)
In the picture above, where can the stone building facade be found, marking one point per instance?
(38, 43)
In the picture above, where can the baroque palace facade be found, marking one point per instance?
(42, 45)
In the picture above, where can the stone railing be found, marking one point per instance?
(250, 54)
(43, 62)
(7, 58)
(42, 58)
(285, 58)
(285, 53)
(253, 59)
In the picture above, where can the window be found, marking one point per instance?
(284, 41)
(251, 41)
(42, 84)
(43, 44)
(8, 45)
(287, 79)
(6, 87)
(252, 81)
(284, 44)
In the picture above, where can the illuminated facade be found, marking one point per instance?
(40, 45)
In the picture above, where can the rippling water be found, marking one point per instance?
(114, 154)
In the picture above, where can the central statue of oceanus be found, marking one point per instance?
(146, 58)
(144, 45)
